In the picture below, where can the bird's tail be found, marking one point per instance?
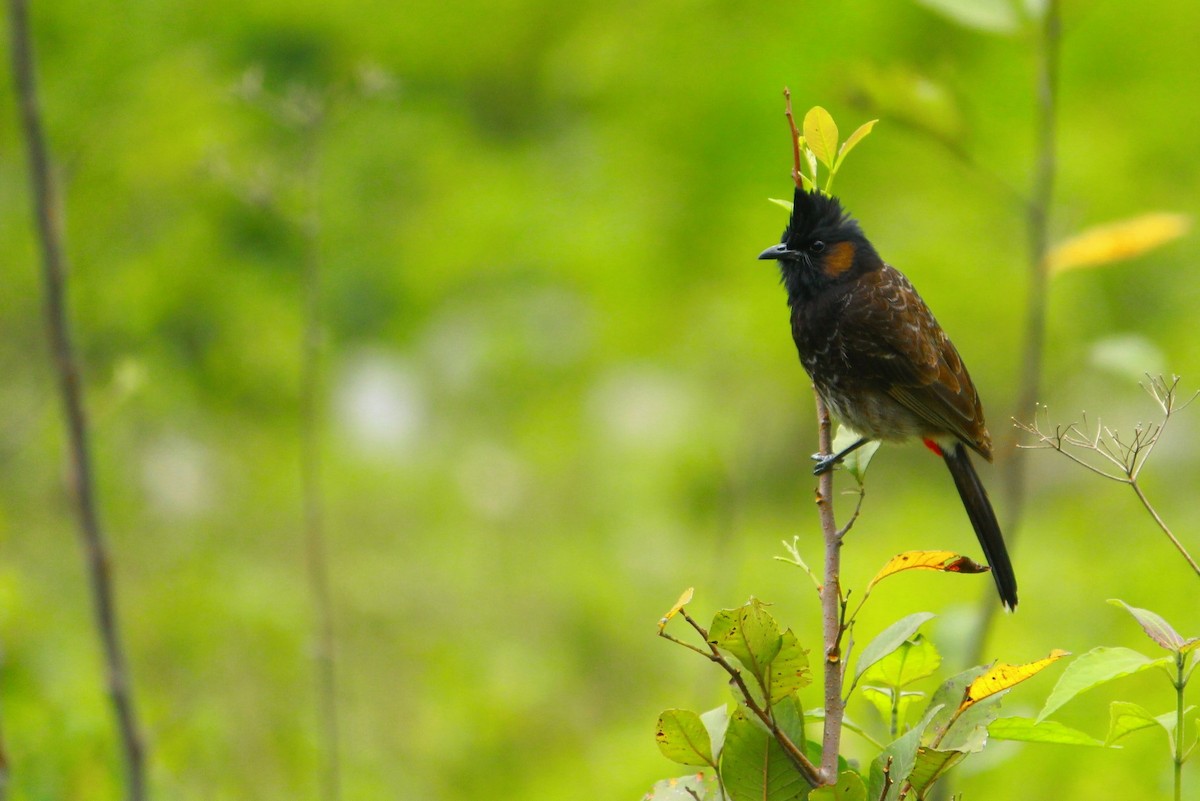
(979, 509)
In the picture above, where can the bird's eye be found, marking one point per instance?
(817, 247)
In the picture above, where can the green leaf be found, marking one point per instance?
(821, 135)
(789, 716)
(716, 722)
(755, 767)
(703, 785)
(682, 738)
(859, 134)
(913, 660)
(1094, 668)
(750, 634)
(991, 16)
(789, 669)
(903, 755)
(931, 765)
(1156, 628)
(948, 698)
(857, 461)
(849, 787)
(890, 639)
(1125, 717)
(881, 699)
(787, 204)
(1048, 731)
(968, 732)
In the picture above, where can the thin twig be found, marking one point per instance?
(1162, 525)
(54, 269)
(1129, 457)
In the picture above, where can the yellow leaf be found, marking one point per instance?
(944, 561)
(684, 599)
(1001, 676)
(1124, 239)
(821, 135)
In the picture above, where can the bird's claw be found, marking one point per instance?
(824, 463)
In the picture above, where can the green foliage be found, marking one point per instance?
(540, 290)
(756, 753)
(1102, 665)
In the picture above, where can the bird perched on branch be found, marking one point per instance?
(879, 359)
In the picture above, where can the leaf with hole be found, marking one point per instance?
(941, 561)
(750, 633)
(682, 738)
(1002, 676)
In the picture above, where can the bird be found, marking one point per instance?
(880, 361)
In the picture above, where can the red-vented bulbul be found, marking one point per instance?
(879, 359)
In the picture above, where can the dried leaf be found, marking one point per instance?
(1001, 676)
(684, 599)
(944, 561)
(1104, 244)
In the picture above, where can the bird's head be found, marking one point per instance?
(822, 245)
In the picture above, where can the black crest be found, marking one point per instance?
(818, 216)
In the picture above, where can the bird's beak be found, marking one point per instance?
(776, 252)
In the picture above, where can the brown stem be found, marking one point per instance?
(315, 546)
(831, 606)
(46, 214)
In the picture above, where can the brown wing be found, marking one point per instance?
(890, 333)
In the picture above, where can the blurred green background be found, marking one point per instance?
(559, 389)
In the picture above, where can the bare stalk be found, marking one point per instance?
(46, 213)
(831, 606)
(1126, 457)
(315, 547)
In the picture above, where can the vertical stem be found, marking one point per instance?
(46, 213)
(1180, 682)
(3, 772)
(1038, 232)
(831, 606)
(1038, 222)
(310, 478)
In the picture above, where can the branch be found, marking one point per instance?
(831, 606)
(803, 764)
(45, 210)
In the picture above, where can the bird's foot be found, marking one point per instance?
(825, 463)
